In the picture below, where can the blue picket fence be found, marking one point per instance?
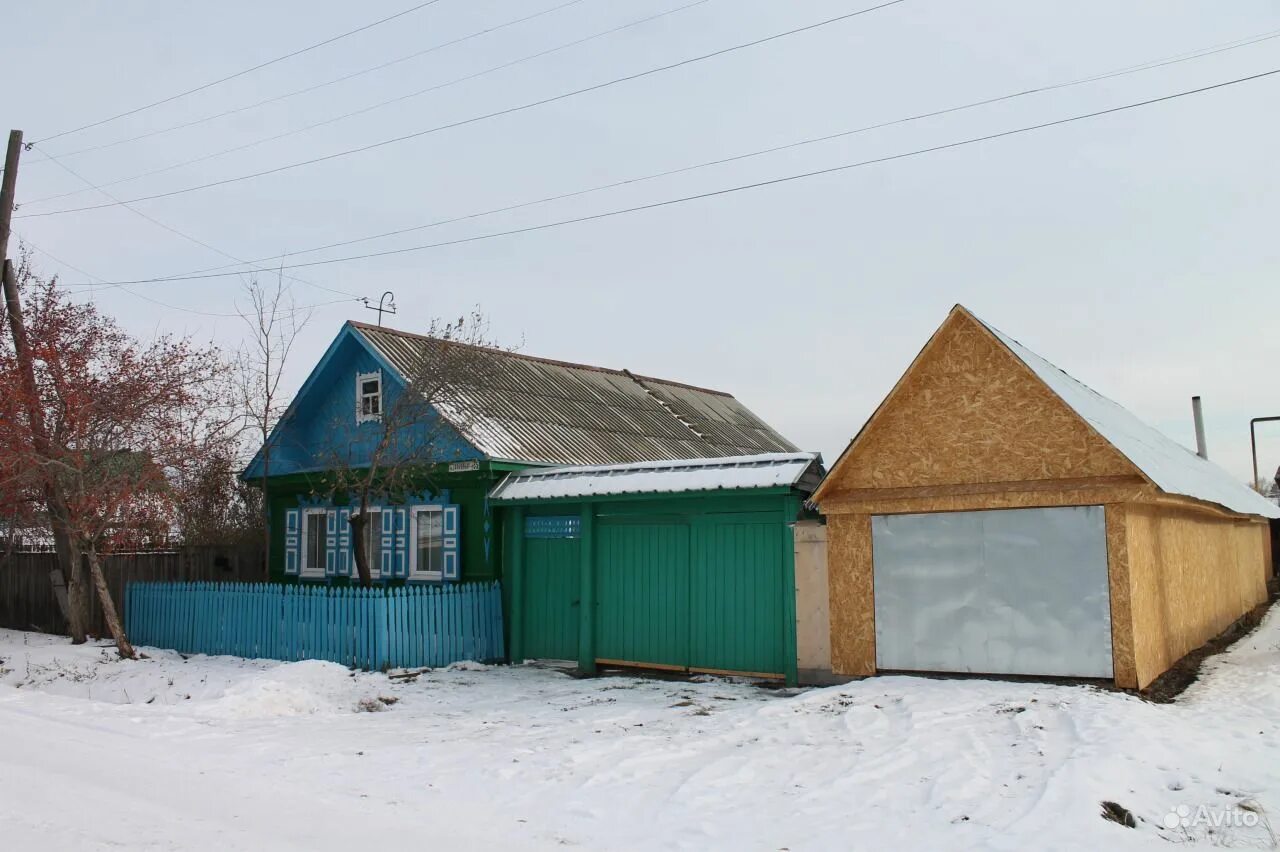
(379, 628)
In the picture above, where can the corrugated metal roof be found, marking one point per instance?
(540, 410)
(765, 470)
(1171, 466)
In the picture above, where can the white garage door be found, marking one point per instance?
(1019, 591)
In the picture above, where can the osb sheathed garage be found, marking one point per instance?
(979, 422)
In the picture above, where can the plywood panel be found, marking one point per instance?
(849, 575)
(969, 411)
(1122, 660)
(1191, 576)
(813, 613)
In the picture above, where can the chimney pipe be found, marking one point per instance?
(1198, 415)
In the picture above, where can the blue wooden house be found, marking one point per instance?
(527, 412)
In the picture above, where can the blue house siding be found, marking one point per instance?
(320, 427)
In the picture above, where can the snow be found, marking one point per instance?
(1171, 466)
(765, 470)
(219, 753)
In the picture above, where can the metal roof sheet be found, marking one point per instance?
(540, 410)
(764, 470)
(1171, 466)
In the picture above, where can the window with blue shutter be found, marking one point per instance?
(400, 555)
(451, 536)
(291, 549)
(330, 542)
(388, 543)
(344, 542)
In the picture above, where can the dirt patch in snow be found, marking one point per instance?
(1166, 688)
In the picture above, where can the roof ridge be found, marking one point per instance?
(555, 362)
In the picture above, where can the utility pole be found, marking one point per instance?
(55, 501)
(7, 189)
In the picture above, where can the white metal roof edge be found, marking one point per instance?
(619, 473)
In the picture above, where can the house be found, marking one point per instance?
(520, 411)
(682, 565)
(995, 515)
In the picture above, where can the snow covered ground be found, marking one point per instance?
(220, 753)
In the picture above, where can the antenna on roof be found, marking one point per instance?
(381, 308)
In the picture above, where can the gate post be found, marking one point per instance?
(516, 646)
(587, 592)
(791, 509)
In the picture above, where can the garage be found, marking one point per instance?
(995, 515)
(683, 565)
(1014, 591)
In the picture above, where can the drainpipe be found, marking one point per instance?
(1201, 450)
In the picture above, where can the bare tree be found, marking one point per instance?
(274, 322)
(447, 364)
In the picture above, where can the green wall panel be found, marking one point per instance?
(642, 593)
(552, 574)
(737, 620)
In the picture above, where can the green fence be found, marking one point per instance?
(378, 628)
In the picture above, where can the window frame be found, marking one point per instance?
(361, 378)
(304, 542)
(414, 572)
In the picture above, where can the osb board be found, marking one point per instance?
(852, 595)
(1122, 660)
(968, 411)
(1007, 499)
(1191, 575)
(813, 596)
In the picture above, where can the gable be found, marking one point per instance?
(968, 411)
(320, 427)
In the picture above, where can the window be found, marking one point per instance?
(428, 542)
(373, 541)
(313, 542)
(368, 396)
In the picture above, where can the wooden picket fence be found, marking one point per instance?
(379, 628)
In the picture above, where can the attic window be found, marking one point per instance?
(368, 396)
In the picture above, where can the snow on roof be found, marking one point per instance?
(765, 470)
(1171, 466)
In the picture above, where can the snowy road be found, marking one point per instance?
(227, 754)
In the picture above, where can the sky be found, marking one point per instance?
(1136, 250)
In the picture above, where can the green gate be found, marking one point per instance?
(642, 594)
(737, 591)
(551, 598)
(705, 595)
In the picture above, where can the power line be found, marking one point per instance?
(530, 105)
(363, 110)
(179, 233)
(240, 73)
(163, 304)
(734, 189)
(308, 89)
(1105, 75)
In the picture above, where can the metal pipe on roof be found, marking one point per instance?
(1201, 450)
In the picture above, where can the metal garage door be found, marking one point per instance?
(1019, 591)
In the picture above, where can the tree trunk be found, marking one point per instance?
(359, 526)
(266, 509)
(108, 607)
(78, 595)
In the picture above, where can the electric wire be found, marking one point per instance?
(240, 73)
(508, 111)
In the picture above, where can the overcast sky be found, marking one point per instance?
(1138, 251)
